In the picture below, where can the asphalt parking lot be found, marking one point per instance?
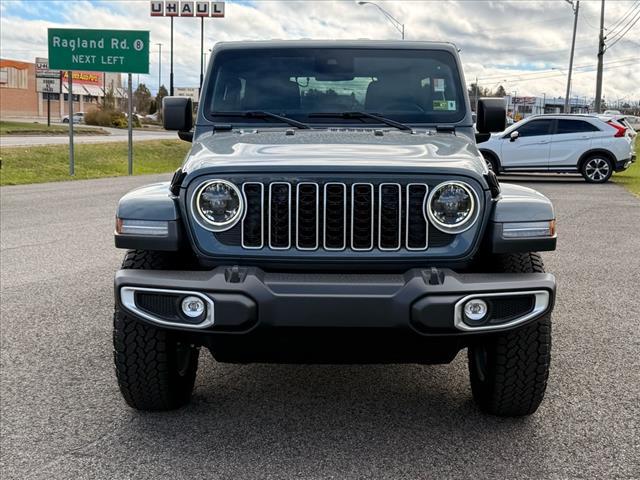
(62, 415)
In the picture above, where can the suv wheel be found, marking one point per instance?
(492, 163)
(509, 370)
(156, 369)
(597, 169)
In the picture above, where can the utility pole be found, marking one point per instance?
(575, 7)
(600, 59)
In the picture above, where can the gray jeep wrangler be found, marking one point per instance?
(334, 208)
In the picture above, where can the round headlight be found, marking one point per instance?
(452, 207)
(219, 205)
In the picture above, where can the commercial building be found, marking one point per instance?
(522, 107)
(19, 96)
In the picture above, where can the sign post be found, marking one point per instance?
(122, 51)
(72, 163)
(169, 8)
(130, 125)
(47, 81)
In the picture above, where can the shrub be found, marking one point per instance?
(109, 118)
(98, 117)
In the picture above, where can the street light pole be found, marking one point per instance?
(575, 8)
(394, 21)
(171, 62)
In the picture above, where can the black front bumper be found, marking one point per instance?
(255, 311)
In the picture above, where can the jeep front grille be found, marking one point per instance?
(334, 216)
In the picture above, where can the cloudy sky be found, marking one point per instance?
(523, 45)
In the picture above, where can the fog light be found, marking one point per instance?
(475, 309)
(193, 307)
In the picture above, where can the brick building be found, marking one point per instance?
(19, 98)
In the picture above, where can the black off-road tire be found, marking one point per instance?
(155, 368)
(509, 370)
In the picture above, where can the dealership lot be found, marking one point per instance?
(62, 415)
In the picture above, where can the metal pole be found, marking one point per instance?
(476, 94)
(600, 58)
(171, 73)
(403, 31)
(130, 126)
(573, 46)
(48, 109)
(72, 166)
(159, 66)
(201, 50)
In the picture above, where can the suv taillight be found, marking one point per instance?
(620, 130)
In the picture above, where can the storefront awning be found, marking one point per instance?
(93, 90)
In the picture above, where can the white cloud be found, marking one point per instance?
(506, 40)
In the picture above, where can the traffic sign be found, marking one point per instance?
(124, 51)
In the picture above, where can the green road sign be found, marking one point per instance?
(124, 51)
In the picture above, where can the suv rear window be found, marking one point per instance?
(575, 126)
(415, 86)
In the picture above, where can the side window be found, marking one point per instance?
(535, 128)
(575, 126)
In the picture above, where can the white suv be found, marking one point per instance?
(562, 143)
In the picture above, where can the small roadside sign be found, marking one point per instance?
(123, 51)
(48, 85)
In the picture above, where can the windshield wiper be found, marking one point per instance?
(373, 116)
(263, 114)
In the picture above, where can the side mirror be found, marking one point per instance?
(492, 115)
(177, 113)
(513, 136)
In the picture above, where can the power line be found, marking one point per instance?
(613, 35)
(496, 77)
(591, 70)
(624, 33)
(622, 17)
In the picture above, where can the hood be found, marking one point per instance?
(336, 149)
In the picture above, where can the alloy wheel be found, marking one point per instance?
(597, 169)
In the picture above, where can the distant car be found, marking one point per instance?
(612, 112)
(591, 145)
(152, 116)
(633, 121)
(78, 117)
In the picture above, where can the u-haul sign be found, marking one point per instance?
(169, 8)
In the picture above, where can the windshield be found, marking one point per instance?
(410, 86)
